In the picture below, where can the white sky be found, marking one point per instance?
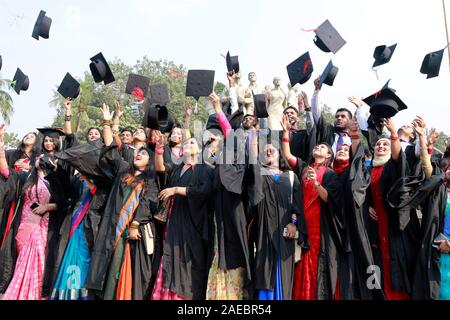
(265, 34)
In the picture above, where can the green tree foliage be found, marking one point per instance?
(86, 108)
(6, 102)
(12, 140)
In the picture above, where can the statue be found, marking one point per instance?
(293, 96)
(277, 103)
(252, 89)
(240, 91)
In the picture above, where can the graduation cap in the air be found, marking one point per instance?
(328, 39)
(431, 63)
(20, 81)
(300, 70)
(157, 117)
(159, 94)
(385, 103)
(42, 26)
(137, 85)
(69, 87)
(328, 75)
(55, 133)
(260, 103)
(1, 62)
(200, 83)
(232, 63)
(100, 69)
(383, 54)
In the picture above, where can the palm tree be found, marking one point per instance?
(6, 102)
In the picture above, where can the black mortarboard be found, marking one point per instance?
(100, 69)
(42, 26)
(385, 103)
(20, 81)
(1, 62)
(431, 63)
(328, 75)
(328, 39)
(200, 83)
(157, 117)
(159, 94)
(260, 103)
(212, 122)
(52, 132)
(383, 54)
(300, 70)
(232, 63)
(136, 82)
(69, 87)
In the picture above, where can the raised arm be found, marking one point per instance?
(3, 162)
(68, 116)
(316, 106)
(354, 133)
(396, 148)
(117, 115)
(187, 120)
(231, 76)
(419, 127)
(221, 118)
(285, 147)
(362, 112)
(107, 118)
(159, 152)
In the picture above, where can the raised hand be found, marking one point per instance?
(356, 101)
(107, 116)
(389, 124)
(215, 101)
(433, 136)
(373, 215)
(68, 104)
(118, 113)
(231, 76)
(285, 123)
(418, 128)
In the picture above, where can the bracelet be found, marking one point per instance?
(285, 140)
(68, 117)
(394, 138)
(106, 122)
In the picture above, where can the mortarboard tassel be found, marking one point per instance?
(196, 108)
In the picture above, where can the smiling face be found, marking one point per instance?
(93, 135)
(382, 148)
(343, 154)
(141, 160)
(49, 144)
(29, 139)
(191, 148)
(139, 135)
(176, 136)
(127, 137)
(321, 152)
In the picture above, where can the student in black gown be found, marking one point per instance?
(122, 257)
(183, 270)
(22, 158)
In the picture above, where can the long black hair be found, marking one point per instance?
(20, 151)
(33, 177)
(56, 143)
(329, 161)
(149, 172)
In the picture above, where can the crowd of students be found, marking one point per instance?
(336, 211)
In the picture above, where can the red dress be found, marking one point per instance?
(305, 273)
(383, 233)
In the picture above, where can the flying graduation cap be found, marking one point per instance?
(100, 69)
(328, 75)
(69, 87)
(260, 103)
(55, 133)
(327, 38)
(232, 63)
(137, 86)
(42, 26)
(300, 70)
(159, 94)
(385, 103)
(431, 63)
(383, 54)
(1, 62)
(200, 83)
(157, 117)
(20, 81)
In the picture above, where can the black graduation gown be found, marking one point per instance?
(325, 132)
(331, 235)
(103, 249)
(273, 215)
(185, 247)
(8, 252)
(430, 196)
(357, 256)
(403, 230)
(302, 143)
